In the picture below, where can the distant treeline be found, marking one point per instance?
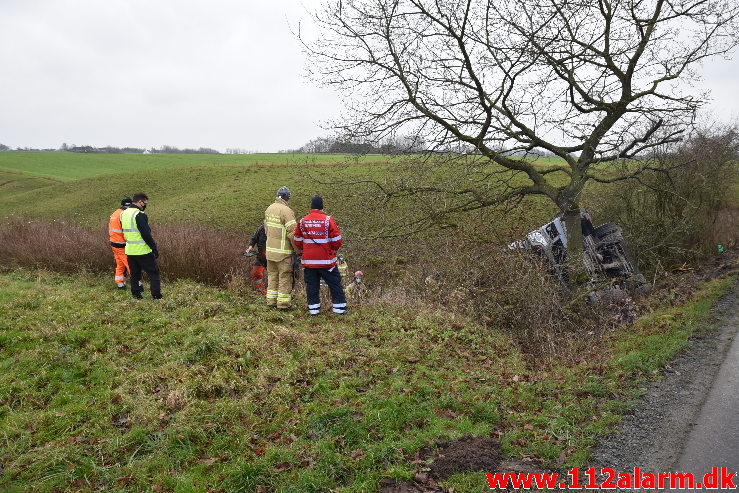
(121, 150)
(321, 145)
(137, 150)
(342, 145)
(395, 146)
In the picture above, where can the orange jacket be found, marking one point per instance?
(115, 230)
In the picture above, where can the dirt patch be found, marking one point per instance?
(467, 454)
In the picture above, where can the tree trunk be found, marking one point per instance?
(576, 272)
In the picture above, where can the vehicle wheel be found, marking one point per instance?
(607, 229)
(614, 237)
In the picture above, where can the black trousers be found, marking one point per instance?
(332, 277)
(147, 263)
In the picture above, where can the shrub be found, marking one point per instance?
(55, 245)
(682, 208)
(187, 251)
(202, 254)
(506, 290)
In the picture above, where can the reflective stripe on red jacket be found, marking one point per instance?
(318, 237)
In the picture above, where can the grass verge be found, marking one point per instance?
(206, 390)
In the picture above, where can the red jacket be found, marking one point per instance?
(318, 237)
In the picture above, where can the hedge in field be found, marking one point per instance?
(187, 251)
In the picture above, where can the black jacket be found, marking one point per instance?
(259, 238)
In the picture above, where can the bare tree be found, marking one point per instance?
(596, 83)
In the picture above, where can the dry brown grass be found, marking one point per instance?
(505, 290)
(202, 254)
(55, 245)
(189, 252)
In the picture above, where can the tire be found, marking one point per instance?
(615, 237)
(609, 233)
(607, 229)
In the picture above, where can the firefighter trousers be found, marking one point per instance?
(280, 282)
(313, 289)
(121, 264)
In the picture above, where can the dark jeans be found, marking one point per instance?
(148, 263)
(313, 288)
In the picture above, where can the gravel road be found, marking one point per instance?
(679, 411)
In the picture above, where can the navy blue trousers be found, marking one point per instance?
(148, 263)
(332, 277)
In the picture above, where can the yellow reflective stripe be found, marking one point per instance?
(278, 250)
(275, 225)
(290, 223)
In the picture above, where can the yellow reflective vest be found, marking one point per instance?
(279, 224)
(135, 244)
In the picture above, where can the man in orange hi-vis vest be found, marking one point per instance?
(118, 244)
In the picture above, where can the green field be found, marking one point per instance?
(221, 191)
(68, 166)
(224, 192)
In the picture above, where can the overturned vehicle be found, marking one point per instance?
(611, 269)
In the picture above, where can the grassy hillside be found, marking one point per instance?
(67, 166)
(223, 192)
(222, 198)
(208, 390)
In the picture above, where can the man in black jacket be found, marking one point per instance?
(141, 249)
(259, 238)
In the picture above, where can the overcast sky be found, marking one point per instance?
(188, 73)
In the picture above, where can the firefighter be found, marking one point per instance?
(260, 263)
(356, 286)
(141, 248)
(279, 224)
(319, 238)
(118, 244)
